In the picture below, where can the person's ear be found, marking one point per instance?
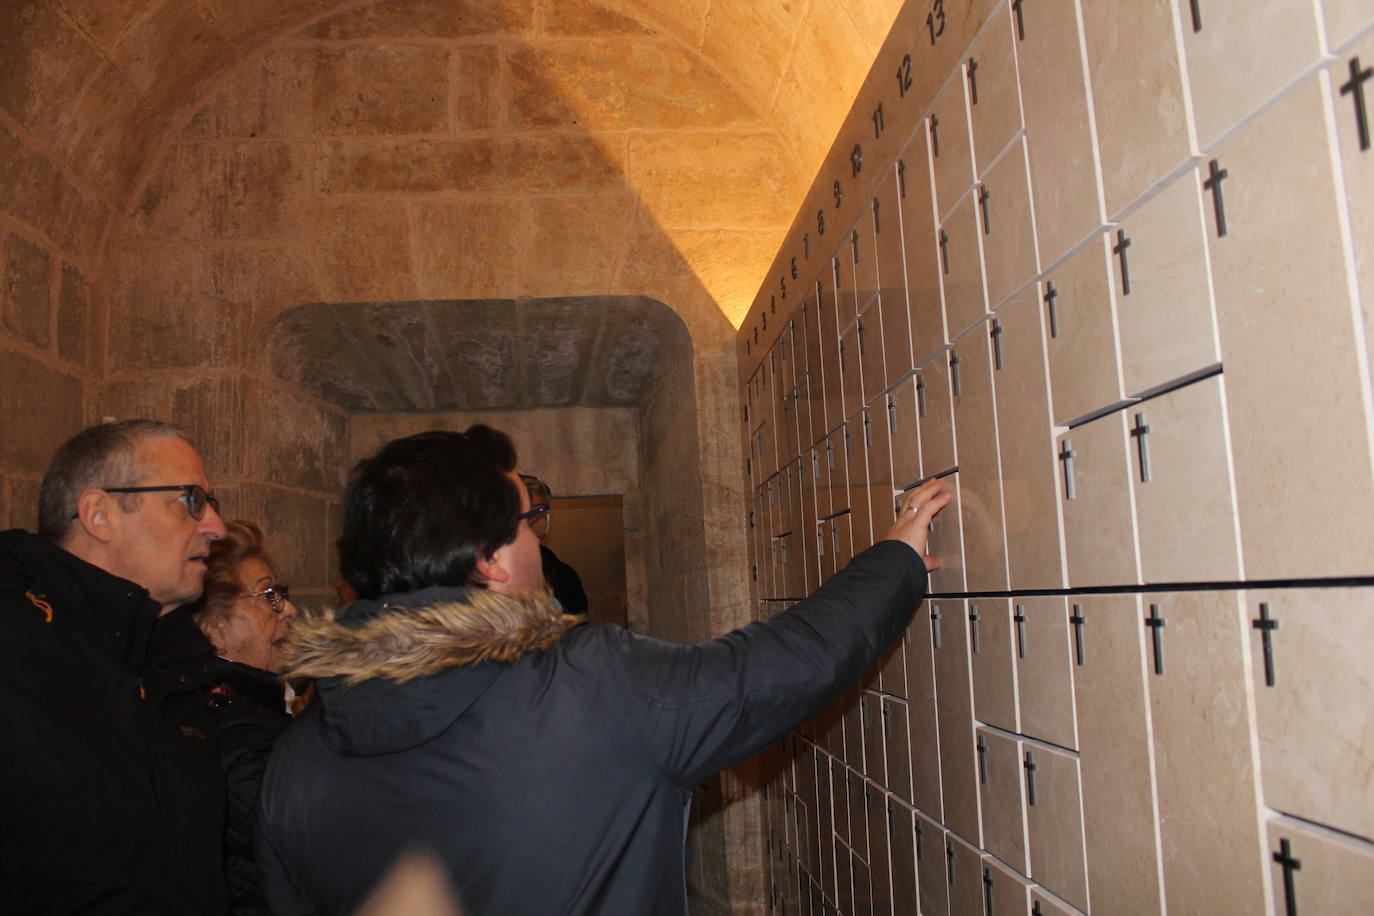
(491, 569)
(94, 513)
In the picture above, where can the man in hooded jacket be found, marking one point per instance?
(549, 769)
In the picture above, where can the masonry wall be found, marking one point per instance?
(1106, 269)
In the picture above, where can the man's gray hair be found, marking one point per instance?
(98, 457)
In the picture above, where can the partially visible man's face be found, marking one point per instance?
(159, 545)
(520, 558)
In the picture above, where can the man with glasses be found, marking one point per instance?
(96, 819)
(548, 768)
(562, 578)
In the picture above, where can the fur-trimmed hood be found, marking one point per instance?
(394, 672)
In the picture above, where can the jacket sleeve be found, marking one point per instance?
(713, 704)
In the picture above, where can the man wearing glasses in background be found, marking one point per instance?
(95, 818)
(562, 578)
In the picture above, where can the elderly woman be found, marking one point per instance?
(213, 677)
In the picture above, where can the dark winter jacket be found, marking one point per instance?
(91, 806)
(549, 768)
(565, 582)
(241, 710)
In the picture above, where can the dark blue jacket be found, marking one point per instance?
(549, 769)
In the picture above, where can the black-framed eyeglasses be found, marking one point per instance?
(535, 512)
(276, 595)
(193, 495)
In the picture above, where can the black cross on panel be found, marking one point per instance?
(983, 195)
(1140, 431)
(1156, 623)
(935, 625)
(949, 862)
(877, 223)
(995, 332)
(982, 761)
(901, 177)
(1020, 20)
(973, 81)
(1066, 457)
(1052, 294)
(920, 840)
(987, 890)
(944, 250)
(1267, 625)
(934, 135)
(1355, 89)
(1019, 618)
(1285, 860)
(1030, 777)
(1195, 7)
(1119, 249)
(1077, 620)
(1215, 175)
(954, 370)
(973, 619)
(921, 395)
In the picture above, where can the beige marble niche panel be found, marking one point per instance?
(1115, 754)
(1099, 529)
(1000, 787)
(898, 750)
(1142, 123)
(1054, 821)
(954, 710)
(1059, 136)
(1352, 69)
(1030, 494)
(1205, 773)
(1044, 669)
(947, 139)
(991, 648)
(980, 478)
(901, 822)
(992, 89)
(1085, 371)
(870, 341)
(922, 727)
(1329, 874)
(1004, 216)
(875, 754)
(1294, 387)
(919, 242)
(1005, 893)
(964, 873)
(1185, 510)
(904, 433)
(931, 867)
(882, 500)
(947, 544)
(856, 460)
(891, 265)
(961, 267)
(1240, 55)
(1312, 688)
(935, 414)
(862, 251)
(841, 280)
(851, 371)
(1163, 293)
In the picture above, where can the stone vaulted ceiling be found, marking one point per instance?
(212, 164)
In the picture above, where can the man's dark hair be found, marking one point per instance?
(105, 455)
(423, 509)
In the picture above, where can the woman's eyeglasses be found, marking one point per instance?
(276, 595)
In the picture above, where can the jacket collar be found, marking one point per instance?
(420, 634)
(112, 613)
